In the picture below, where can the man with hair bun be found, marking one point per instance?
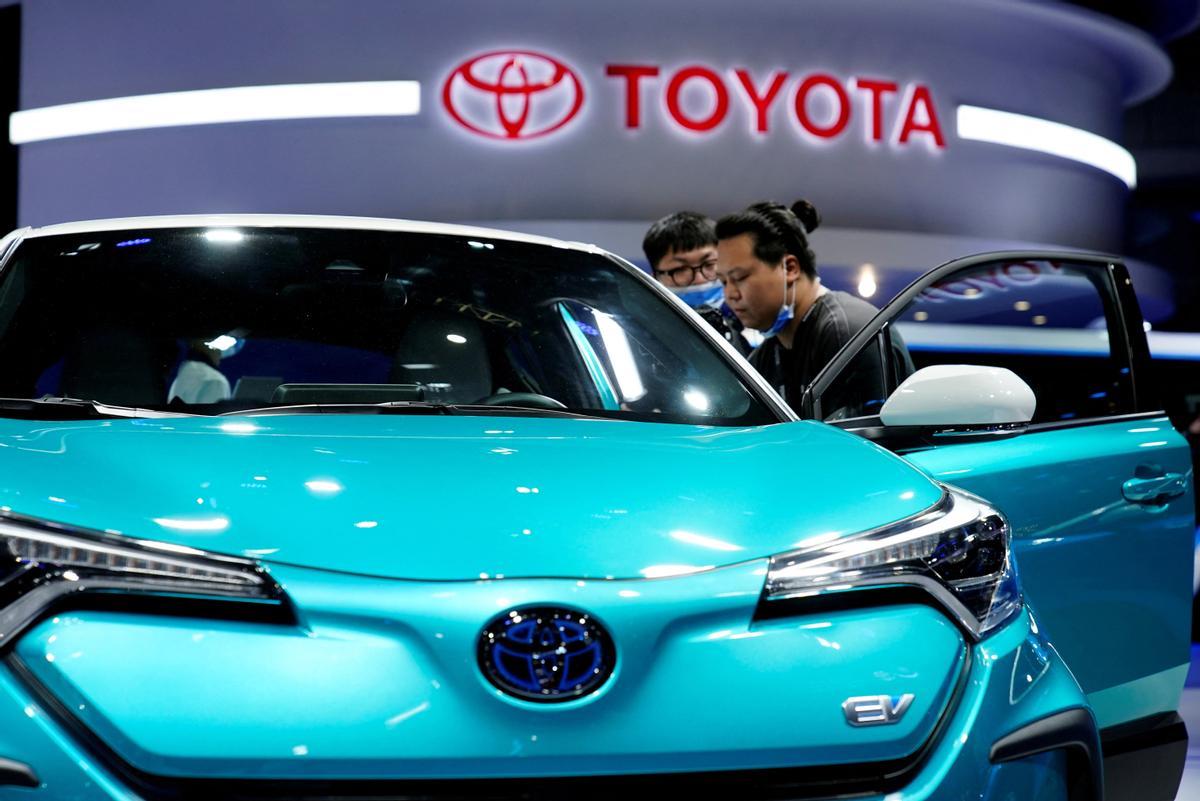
(769, 275)
(681, 249)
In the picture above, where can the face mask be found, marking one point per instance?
(781, 320)
(700, 295)
(786, 312)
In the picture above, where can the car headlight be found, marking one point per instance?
(958, 552)
(42, 564)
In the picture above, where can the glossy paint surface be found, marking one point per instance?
(1109, 579)
(435, 497)
(1003, 694)
(382, 681)
(1000, 695)
(379, 528)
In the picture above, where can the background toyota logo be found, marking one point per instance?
(546, 654)
(513, 94)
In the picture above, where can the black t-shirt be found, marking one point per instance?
(829, 324)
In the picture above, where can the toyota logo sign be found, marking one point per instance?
(513, 94)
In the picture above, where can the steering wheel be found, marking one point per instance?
(529, 399)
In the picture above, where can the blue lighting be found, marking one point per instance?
(131, 242)
(546, 654)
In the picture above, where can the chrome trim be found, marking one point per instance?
(935, 589)
(875, 710)
(938, 510)
(25, 594)
(901, 575)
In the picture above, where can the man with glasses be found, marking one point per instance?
(681, 249)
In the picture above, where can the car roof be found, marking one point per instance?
(297, 221)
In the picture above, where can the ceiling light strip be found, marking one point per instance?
(212, 106)
(1044, 136)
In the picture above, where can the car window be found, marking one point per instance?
(216, 320)
(1047, 321)
(860, 389)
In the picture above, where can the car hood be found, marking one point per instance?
(459, 497)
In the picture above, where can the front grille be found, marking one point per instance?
(756, 785)
(773, 784)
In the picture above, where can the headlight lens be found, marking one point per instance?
(41, 564)
(958, 552)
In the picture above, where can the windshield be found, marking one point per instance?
(212, 321)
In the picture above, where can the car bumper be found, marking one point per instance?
(1007, 684)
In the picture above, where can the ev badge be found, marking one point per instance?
(876, 710)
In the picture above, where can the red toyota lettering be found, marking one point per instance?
(841, 118)
(822, 103)
(720, 106)
(633, 74)
(762, 103)
(920, 100)
(876, 89)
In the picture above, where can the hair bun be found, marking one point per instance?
(807, 214)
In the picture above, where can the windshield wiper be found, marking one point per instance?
(501, 410)
(58, 408)
(409, 407)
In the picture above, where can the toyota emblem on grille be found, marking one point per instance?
(547, 654)
(512, 94)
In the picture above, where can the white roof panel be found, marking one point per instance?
(297, 221)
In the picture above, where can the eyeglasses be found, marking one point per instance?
(685, 275)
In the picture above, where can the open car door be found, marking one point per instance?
(1095, 481)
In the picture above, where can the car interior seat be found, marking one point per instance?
(446, 354)
(116, 366)
(256, 388)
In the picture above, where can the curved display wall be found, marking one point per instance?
(919, 130)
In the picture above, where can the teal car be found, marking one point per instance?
(337, 508)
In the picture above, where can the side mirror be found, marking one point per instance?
(959, 395)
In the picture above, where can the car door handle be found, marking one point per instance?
(1154, 490)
